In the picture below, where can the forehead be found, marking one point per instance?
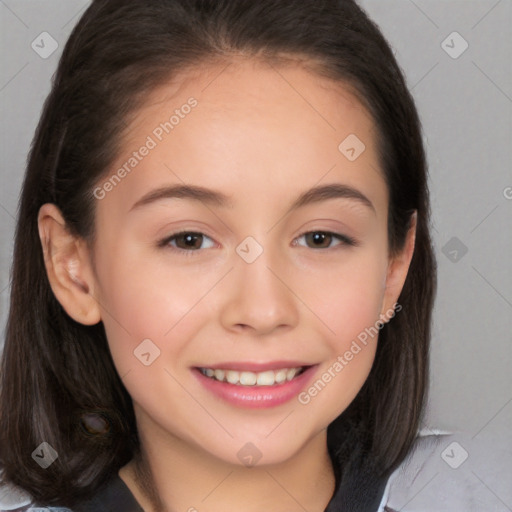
(246, 127)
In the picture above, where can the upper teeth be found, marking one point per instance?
(267, 378)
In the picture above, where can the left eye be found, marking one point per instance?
(323, 239)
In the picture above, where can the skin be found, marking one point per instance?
(261, 135)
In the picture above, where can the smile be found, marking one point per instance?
(247, 378)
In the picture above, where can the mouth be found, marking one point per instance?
(250, 378)
(255, 385)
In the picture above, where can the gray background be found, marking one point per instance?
(466, 108)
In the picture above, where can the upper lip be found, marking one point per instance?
(256, 367)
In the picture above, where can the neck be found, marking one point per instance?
(180, 476)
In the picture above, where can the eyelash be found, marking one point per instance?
(344, 239)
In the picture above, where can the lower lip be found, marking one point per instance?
(256, 397)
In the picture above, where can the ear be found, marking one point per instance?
(67, 262)
(398, 268)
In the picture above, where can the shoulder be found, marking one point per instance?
(451, 471)
(113, 495)
(14, 499)
(34, 508)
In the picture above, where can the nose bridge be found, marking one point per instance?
(259, 297)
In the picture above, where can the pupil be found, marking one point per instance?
(319, 237)
(190, 239)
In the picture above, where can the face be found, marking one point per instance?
(248, 272)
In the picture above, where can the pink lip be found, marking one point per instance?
(257, 397)
(242, 366)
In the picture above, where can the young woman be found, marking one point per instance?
(223, 276)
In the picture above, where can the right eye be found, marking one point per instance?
(185, 241)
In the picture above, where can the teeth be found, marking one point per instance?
(280, 376)
(267, 378)
(232, 377)
(291, 373)
(248, 378)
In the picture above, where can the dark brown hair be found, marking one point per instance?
(55, 371)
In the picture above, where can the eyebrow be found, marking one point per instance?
(216, 198)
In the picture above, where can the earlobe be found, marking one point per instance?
(398, 268)
(67, 263)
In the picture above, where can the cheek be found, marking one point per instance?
(348, 297)
(349, 305)
(142, 301)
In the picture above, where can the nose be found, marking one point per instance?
(260, 297)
